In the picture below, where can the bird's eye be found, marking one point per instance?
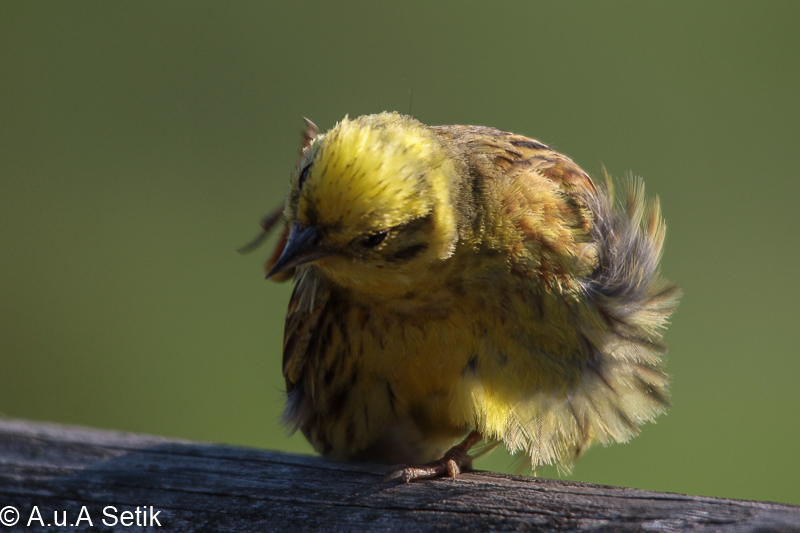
(303, 176)
(375, 239)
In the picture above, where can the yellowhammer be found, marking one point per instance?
(462, 282)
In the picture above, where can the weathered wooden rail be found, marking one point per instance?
(91, 478)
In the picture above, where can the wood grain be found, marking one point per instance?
(207, 487)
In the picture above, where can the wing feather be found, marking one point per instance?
(595, 263)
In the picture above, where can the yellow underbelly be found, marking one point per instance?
(429, 376)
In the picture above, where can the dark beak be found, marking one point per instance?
(302, 246)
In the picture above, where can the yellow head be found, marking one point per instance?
(370, 203)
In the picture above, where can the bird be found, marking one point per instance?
(457, 285)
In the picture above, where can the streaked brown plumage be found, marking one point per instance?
(460, 280)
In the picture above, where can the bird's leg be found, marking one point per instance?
(455, 461)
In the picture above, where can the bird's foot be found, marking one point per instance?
(455, 461)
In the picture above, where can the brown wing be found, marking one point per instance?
(539, 191)
(489, 150)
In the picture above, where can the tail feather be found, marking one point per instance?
(623, 383)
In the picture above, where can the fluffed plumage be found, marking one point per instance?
(458, 278)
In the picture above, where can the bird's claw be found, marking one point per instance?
(453, 463)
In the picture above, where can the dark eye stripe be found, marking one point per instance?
(303, 176)
(410, 252)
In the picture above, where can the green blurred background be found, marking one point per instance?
(142, 141)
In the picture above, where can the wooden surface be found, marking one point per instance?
(207, 487)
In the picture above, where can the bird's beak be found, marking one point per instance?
(302, 246)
